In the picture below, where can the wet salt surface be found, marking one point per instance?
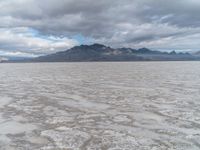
(100, 106)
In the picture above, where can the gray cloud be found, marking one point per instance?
(158, 24)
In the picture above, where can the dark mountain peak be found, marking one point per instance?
(173, 53)
(80, 47)
(125, 49)
(97, 45)
(144, 50)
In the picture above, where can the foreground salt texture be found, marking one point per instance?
(100, 106)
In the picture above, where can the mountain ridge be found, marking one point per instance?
(99, 52)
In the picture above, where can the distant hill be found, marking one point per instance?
(98, 52)
(197, 54)
(162, 56)
(95, 52)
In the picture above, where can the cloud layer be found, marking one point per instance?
(45, 26)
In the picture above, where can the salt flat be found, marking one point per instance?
(100, 106)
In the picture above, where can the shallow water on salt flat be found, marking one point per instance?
(100, 106)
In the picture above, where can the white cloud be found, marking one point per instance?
(20, 41)
(17, 54)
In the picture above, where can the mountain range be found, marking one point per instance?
(98, 52)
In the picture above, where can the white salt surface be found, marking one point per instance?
(4, 101)
(100, 106)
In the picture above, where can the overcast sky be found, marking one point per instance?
(34, 27)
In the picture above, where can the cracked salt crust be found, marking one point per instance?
(66, 138)
(106, 106)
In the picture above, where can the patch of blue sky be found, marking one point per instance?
(82, 39)
(78, 37)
